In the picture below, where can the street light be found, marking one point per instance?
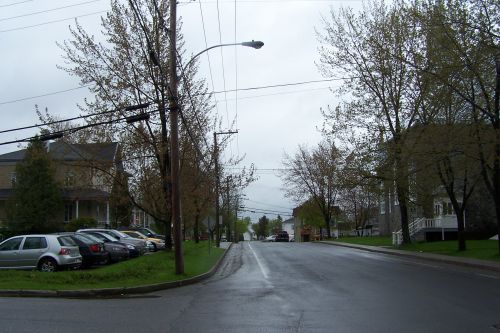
(253, 44)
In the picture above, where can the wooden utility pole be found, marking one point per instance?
(217, 186)
(174, 140)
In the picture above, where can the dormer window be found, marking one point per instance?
(69, 179)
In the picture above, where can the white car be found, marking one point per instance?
(271, 238)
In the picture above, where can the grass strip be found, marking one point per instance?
(149, 269)
(476, 249)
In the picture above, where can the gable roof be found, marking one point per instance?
(62, 151)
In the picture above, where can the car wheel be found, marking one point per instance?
(154, 248)
(47, 265)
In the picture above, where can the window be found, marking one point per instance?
(448, 208)
(382, 205)
(13, 179)
(69, 179)
(32, 243)
(68, 212)
(12, 244)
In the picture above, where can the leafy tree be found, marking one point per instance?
(275, 225)
(36, 204)
(261, 228)
(373, 50)
(119, 202)
(121, 73)
(464, 60)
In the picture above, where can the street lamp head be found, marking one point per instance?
(255, 44)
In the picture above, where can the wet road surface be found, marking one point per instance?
(286, 287)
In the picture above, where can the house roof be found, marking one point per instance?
(62, 151)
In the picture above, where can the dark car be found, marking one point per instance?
(282, 236)
(117, 250)
(139, 244)
(91, 250)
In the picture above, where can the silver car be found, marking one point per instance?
(46, 253)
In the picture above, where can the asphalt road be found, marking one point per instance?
(286, 287)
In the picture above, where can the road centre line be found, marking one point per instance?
(262, 269)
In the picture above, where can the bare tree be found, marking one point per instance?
(314, 175)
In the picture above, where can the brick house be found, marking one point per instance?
(84, 173)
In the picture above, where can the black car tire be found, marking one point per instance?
(154, 247)
(47, 265)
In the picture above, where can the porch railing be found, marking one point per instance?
(414, 227)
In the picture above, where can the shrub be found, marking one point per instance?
(80, 223)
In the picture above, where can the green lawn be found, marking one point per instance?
(478, 249)
(149, 269)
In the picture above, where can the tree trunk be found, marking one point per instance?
(196, 230)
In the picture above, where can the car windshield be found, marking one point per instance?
(83, 238)
(120, 234)
(135, 234)
(66, 241)
(90, 237)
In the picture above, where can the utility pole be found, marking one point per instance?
(235, 240)
(228, 200)
(174, 140)
(217, 186)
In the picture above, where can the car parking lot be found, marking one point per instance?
(71, 250)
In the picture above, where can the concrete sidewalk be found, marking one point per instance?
(467, 262)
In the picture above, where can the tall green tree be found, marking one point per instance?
(36, 205)
(373, 51)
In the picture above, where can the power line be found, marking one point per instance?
(43, 95)
(212, 92)
(222, 60)
(15, 3)
(47, 10)
(208, 56)
(75, 129)
(50, 22)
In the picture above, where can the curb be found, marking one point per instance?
(95, 293)
(467, 262)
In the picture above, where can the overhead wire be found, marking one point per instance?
(223, 67)
(15, 3)
(51, 22)
(208, 55)
(212, 92)
(47, 10)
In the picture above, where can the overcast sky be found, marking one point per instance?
(270, 121)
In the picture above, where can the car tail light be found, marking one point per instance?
(64, 251)
(95, 248)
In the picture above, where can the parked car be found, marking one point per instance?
(47, 253)
(271, 238)
(116, 251)
(282, 236)
(132, 250)
(154, 244)
(141, 245)
(92, 250)
(149, 233)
